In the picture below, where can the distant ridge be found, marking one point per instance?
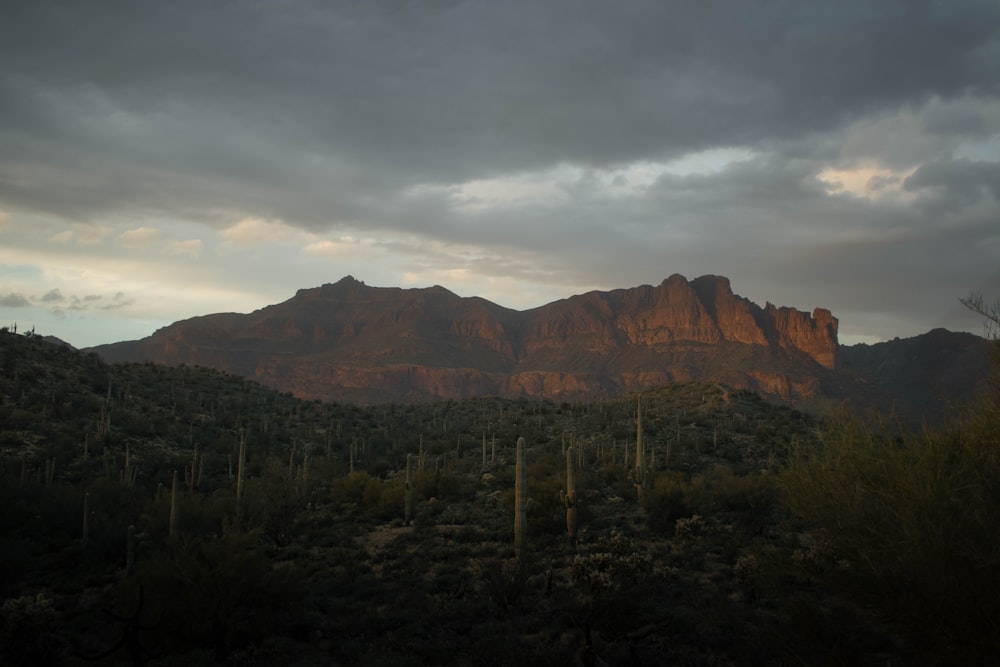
(348, 341)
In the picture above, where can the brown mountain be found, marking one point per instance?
(919, 377)
(348, 341)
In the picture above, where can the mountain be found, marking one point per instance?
(351, 342)
(921, 376)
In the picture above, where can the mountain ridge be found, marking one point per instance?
(352, 342)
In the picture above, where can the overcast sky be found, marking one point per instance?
(170, 159)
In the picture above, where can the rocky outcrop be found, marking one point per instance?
(349, 341)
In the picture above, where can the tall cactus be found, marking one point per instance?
(128, 473)
(191, 472)
(173, 507)
(407, 495)
(569, 496)
(86, 518)
(641, 470)
(520, 501)
(241, 473)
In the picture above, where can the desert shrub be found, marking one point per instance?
(216, 593)
(379, 499)
(351, 488)
(617, 585)
(388, 502)
(28, 631)
(752, 496)
(16, 560)
(675, 496)
(445, 485)
(669, 499)
(503, 582)
(912, 517)
(275, 500)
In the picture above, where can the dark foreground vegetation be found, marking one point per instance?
(178, 516)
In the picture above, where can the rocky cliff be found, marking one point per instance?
(349, 341)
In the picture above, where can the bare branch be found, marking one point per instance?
(989, 312)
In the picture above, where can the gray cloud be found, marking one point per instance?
(232, 106)
(335, 115)
(78, 304)
(14, 300)
(118, 303)
(52, 296)
(949, 186)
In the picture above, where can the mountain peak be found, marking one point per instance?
(348, 282)
(347, 341)
(345, 284)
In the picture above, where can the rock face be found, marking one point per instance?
(349, 341)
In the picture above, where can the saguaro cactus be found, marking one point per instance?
(129, 472)
(569, 496)
(407, 494)
(641, 470)
(50, 471)
(86, 517)
(520, 501)
(191, 472)
(173, 506)
(241, 473)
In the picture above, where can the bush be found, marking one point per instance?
(28, 631)
(913, 517)
(350, 488)
(215, 593)
(669, 499)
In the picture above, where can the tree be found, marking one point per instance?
(989, 312)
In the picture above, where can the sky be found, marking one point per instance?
(162, 160)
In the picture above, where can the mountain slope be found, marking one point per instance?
(352, 342)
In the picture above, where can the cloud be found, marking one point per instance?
(141, 237)
(455, 93)
(343, 247)
(53, 296)
(952, 185)
(81, 235)
(14, 300)
(192, 248)
(118, 302)
(804, 149)
(256, 231)
(865, 180)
